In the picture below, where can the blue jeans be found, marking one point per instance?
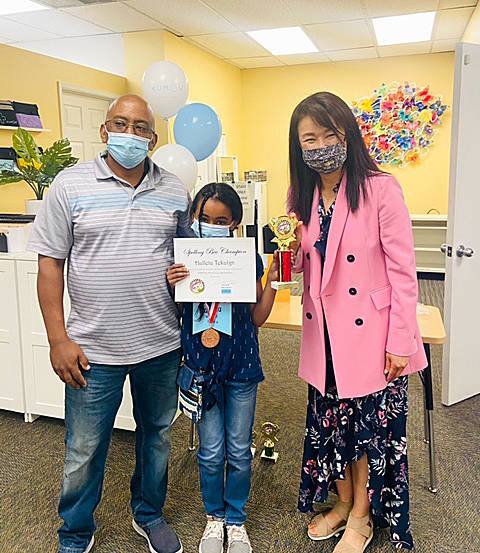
(227, 434)
(89, 416)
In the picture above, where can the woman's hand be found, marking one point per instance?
(176, 273)
(298, 235)
(394, 366)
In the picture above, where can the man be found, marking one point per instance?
(114, 218)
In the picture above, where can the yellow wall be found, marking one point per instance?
(270, 95)
(141, 50)
(254, 105)
(213, 82)
(30, 77)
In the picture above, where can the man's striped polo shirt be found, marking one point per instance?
(119, 243)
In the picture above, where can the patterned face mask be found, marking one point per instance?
(327, 159)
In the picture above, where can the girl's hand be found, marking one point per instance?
(298, 235)
(272, 274)
(176, 273)
(394, 366)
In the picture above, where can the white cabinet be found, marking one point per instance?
(11, 381)
(44, 392)
(429, 233)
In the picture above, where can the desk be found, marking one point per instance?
(288, 316)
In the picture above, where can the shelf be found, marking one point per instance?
(30, 129)
(430, 270)
(431, 227)
(421, 249)
(426, 217)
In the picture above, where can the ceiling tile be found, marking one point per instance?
(451, 23)
(231, 45)
(17, 32)
(380, 8)
(447, 45)
(353, 54)
(308, 12)
(251, 63)
(297, 59)
(404, 49)
(58, 22)
(341, 35)
(446, 4)
(250, 15)
(193, 18)
(115, 16)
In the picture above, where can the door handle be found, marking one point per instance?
(462, 251)
(447, 249)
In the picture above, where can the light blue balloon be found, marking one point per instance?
(198, 128)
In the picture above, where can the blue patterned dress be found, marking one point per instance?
(340, 431)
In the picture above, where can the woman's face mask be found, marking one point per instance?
(211, 231)
(326, 159)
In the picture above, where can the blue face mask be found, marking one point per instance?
(211, 231)
(127, 149)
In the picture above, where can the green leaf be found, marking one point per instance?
(25, 146)
(7, 177)
(57, 157)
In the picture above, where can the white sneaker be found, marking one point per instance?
(213, 537)
(238, 541)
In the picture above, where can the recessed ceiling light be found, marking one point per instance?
(17, 6)
(287, 40)
(400, 29)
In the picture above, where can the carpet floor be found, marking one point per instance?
(31, 457)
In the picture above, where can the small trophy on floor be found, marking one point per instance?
(284, 229)
(253, 447)
(269, 433)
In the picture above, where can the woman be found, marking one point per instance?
(360, 333)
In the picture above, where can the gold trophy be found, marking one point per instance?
(284, 229)
(269, 433)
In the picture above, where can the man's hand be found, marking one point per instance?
(394, 366)
(67, 357)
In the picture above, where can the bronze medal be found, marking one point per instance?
(210, 338)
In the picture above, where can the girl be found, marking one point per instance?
(231, 370)
(360, 334)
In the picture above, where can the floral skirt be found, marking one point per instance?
(340, 431)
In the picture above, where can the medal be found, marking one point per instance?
(210, 337)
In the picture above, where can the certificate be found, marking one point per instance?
(221, 269)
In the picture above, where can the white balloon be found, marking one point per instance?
(165, 87)
(179, 161)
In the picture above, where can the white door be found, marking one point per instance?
(461, 367)
(82, 116)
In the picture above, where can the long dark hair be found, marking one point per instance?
(330, 111)
(223, 193)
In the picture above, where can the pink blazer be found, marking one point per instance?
(368, 291)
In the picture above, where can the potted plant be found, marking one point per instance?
(37, 167)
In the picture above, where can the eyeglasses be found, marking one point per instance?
(119, 125)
